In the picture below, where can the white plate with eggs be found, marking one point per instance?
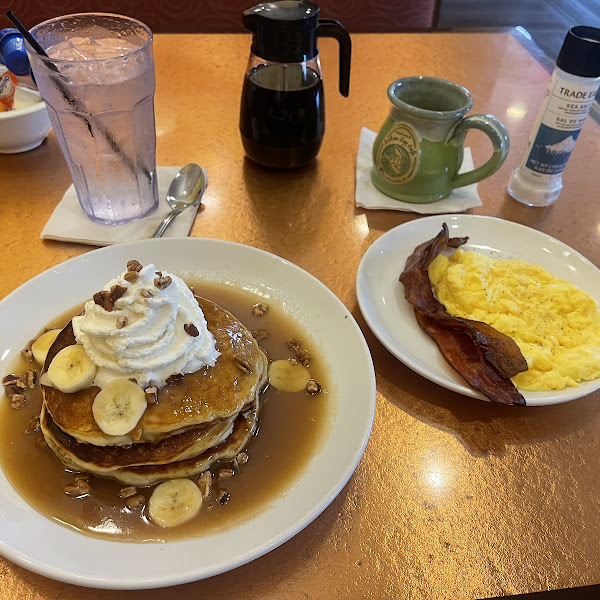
(391, 317)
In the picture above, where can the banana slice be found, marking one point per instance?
(71, 369)
(119, 406)
(174, 502)
(288, 376)
(41, 346)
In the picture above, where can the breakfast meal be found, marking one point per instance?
(502, 324)
(555, 324)
(149, 400)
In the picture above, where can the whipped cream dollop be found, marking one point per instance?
(146, 335)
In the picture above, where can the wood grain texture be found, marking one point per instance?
(454, 498)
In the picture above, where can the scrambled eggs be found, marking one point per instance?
(555, 324)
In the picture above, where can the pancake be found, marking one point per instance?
(104, 459)
(217, 392)
(244, 428)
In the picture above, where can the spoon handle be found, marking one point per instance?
(166, 222)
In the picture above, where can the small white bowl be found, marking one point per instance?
(25, 127)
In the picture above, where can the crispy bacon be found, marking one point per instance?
(481, 355)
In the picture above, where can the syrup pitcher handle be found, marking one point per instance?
(334, 29)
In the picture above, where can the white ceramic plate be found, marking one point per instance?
(38, 544)
(391, 318)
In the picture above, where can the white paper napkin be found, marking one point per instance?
(368, 196)
(69, 223)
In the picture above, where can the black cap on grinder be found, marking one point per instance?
(285, 31)
(580, 52)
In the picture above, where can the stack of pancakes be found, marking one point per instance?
(196, 421)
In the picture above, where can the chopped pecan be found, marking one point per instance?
(223, 497)
(259, 309)
(242, 458)
(78, 489)
(163, 282)
(17, 401)
(10, 378)
(243, 365)
(225, 473)
(30, 378)
(130, 276)
(116, 291)
(82, 477)
(34, 425)
(174, 378)
(135, 502)
(27, 354)
(151, 394)
(260, 334)
(205, 483)
(122, 321)
(102, 299)
(128, 492)
(159, 273)
(293, 344)
(313, 387)
(303, 356)
(191, 329)
(134, 265)
(146, 293)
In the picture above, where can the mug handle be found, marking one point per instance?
(498, 135)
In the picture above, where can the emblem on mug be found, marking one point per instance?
(398, 154)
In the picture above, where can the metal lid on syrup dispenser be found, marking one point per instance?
(580, 52)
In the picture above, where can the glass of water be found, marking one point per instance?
(98, 83)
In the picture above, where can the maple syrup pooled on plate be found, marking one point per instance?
(292, 427)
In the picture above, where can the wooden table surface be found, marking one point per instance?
(519, 507)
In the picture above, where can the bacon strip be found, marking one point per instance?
(481, 355)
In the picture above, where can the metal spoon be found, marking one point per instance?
(185, 190)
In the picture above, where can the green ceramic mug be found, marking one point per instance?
(419, 150)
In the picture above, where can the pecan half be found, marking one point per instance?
(130, 276)
(163, 282)
(191, 329)
(134, 265)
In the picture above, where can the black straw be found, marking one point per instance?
(71, 100)
(25, 33)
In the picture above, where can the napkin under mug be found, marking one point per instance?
(368, 196)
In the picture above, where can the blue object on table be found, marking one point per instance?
(12, 51)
